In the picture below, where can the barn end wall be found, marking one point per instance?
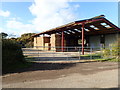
(110, 39)
(119, 39)
(94, 41)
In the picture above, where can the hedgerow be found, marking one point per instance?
(12, 54)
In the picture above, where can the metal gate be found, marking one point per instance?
(44, 54)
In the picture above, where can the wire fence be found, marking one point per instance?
(71, 53)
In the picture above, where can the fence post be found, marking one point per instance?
(79, 53)
(90, 52)
(67, 52)
(101, 51)
(38, 55)
(111, 54)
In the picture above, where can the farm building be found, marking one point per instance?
(93, 32)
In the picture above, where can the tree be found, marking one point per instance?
(26, 39)
(3, 35)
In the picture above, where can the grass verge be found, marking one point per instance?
(97, 57)
(109, 59)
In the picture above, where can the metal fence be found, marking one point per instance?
(41, 53)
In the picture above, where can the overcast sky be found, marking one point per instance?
(40, 15)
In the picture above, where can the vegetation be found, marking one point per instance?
(108, 54)
(12, 55)
(3, 35)
(109, 59)
(26, 40)
(112, 53)
(99, 57)
(91, 56)
(29, 58)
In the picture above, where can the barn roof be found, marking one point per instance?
(92, 26)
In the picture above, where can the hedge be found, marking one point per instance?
(12, 55)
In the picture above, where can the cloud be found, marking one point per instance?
(18, 28)
(1, 29)
(48, 14)
(4, 13)
(51, 13)
(77, 6)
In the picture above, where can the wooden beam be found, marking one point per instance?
(99, 26)
(98, 32)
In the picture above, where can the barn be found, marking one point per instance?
(94, 32)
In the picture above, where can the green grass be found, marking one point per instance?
(86, 55)
(29, 58)
(109, 59)
(97, 57)
(92, 56)
(98, 54)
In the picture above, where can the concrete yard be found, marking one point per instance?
(77, 75)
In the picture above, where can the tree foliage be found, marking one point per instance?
(3, 35)
(26, 39)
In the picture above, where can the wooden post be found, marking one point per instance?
(83, 39)
(62, 42)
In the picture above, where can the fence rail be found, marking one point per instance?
(70, 53)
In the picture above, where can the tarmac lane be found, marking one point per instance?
(80, 75)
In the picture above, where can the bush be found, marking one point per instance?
(112, 52)
(11, 54)
(106, 53)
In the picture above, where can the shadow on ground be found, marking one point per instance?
(42, 66)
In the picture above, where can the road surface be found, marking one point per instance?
(80, 75)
